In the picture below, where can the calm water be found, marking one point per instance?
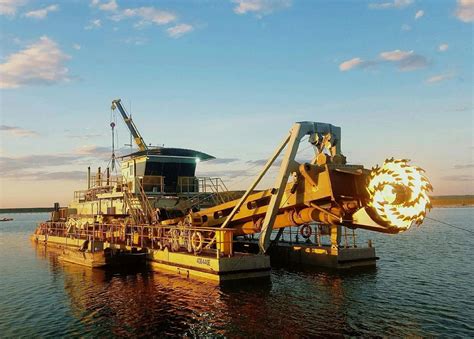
(423, 285)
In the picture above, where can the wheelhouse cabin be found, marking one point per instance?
(162, 171)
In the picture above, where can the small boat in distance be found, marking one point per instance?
(6, 219)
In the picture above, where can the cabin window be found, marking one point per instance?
(171, 171)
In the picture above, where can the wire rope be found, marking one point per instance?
(451, 225)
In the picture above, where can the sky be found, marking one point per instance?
(229, 78)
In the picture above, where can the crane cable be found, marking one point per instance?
(113, 162)
(448, 224)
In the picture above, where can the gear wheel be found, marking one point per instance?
(398, 193)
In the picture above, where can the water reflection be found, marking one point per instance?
(140, 302)
(422, 287)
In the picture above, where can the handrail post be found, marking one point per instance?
(93, 238)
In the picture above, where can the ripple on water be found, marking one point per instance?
(422, 286)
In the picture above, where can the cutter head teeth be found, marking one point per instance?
(398, 193)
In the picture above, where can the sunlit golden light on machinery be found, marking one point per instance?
(399, 193)
(158, 206)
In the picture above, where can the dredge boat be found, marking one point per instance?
(156, 209)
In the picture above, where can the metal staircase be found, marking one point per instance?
(139, 206)
(145, 204)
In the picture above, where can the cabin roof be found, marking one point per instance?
(174, 152)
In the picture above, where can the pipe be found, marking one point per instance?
(289, 219)
(108, 176)
(98, 179)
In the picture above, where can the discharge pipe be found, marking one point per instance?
(291, 218)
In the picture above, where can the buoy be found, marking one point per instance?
(197, 241)
(306, 231)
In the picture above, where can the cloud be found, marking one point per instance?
(419, 14)
(395, 55)
(350, 64)
(464, 166)
(229, 174)
(10, 7)
(16, 165)
(147, 16)
(137, 41)
(439, 78)
(61, 175)
(413, 63)
(406, 27)
(41, 13)
(17, 131)
(395, 4)
(179, 30)
(76, 47)
(53, 166)
(443, 47)
(99, 152)
(219, 161)
(106, 5)
(93, 150)
(405, 60)
(40, 63)
(260, 7)
(33, 167)
(465, 10)
(466, 177)
(261, 162)
(96, 23)
(84, 136)
(355, 63)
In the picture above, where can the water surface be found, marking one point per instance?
(423, 285)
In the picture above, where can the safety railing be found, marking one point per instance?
(188, 185)
(311, 234)
(201, 184)
(101, 180)
(91, 194)
(195, 240)
(204, 191)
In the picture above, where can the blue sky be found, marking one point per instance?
(229, 78)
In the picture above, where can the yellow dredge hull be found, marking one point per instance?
(205, 266)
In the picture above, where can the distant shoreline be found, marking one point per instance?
(27, 210)
(453, 201)
(443, 201)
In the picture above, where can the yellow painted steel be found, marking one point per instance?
(224, 242)
(313, 185)
(207, 266)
